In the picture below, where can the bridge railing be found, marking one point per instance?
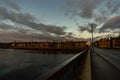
(67, 70)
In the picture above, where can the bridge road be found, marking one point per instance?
(105, 64)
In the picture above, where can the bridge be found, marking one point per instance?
(100, 64)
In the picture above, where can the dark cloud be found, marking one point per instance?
(26, 28)
(17, 32)
(22, 18)
(87, 27)
(112, 23)
(47, 28)
(5, 26)
(28, 37)
(108, 8)
(70, 35)
(87, 7)
(12, 4)
(3, 13)
(9, 28)
(82, 8)
(12, 36)
(84, 28)
(29, 20)
(113, 5)
(100, 18)
(10, 33)
(98, 10)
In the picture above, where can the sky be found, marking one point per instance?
(56, 20)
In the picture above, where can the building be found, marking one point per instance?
(109, 42)
(104, 43)
(69, 45)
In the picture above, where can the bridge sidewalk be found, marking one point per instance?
(85, 72)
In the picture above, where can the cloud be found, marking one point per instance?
(70, 35)
(19, 35)
(107, 9)
(29, 20)
(112, 23)
(26, 28)
(87, 8)
(113, 5)
(11, 33)
(16, 17)
(87, 27)
(47, 28)
(82, 8)
(84, 28)
(3, 13)
(9, 28)
(12, 36)
(97, 10)
(31, 31)
(5, 26)
(12, 4)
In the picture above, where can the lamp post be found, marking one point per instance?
(92, 30)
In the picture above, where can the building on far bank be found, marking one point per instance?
(68, 45)
(109, 42)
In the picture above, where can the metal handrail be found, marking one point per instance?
(65, 71)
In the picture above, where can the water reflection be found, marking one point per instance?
(28, 64)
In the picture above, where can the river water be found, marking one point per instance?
(29, 64)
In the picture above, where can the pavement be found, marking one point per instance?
(105, 64)
(85, 72)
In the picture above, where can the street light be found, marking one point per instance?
(92, 30)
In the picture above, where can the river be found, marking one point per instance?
(29, 64)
